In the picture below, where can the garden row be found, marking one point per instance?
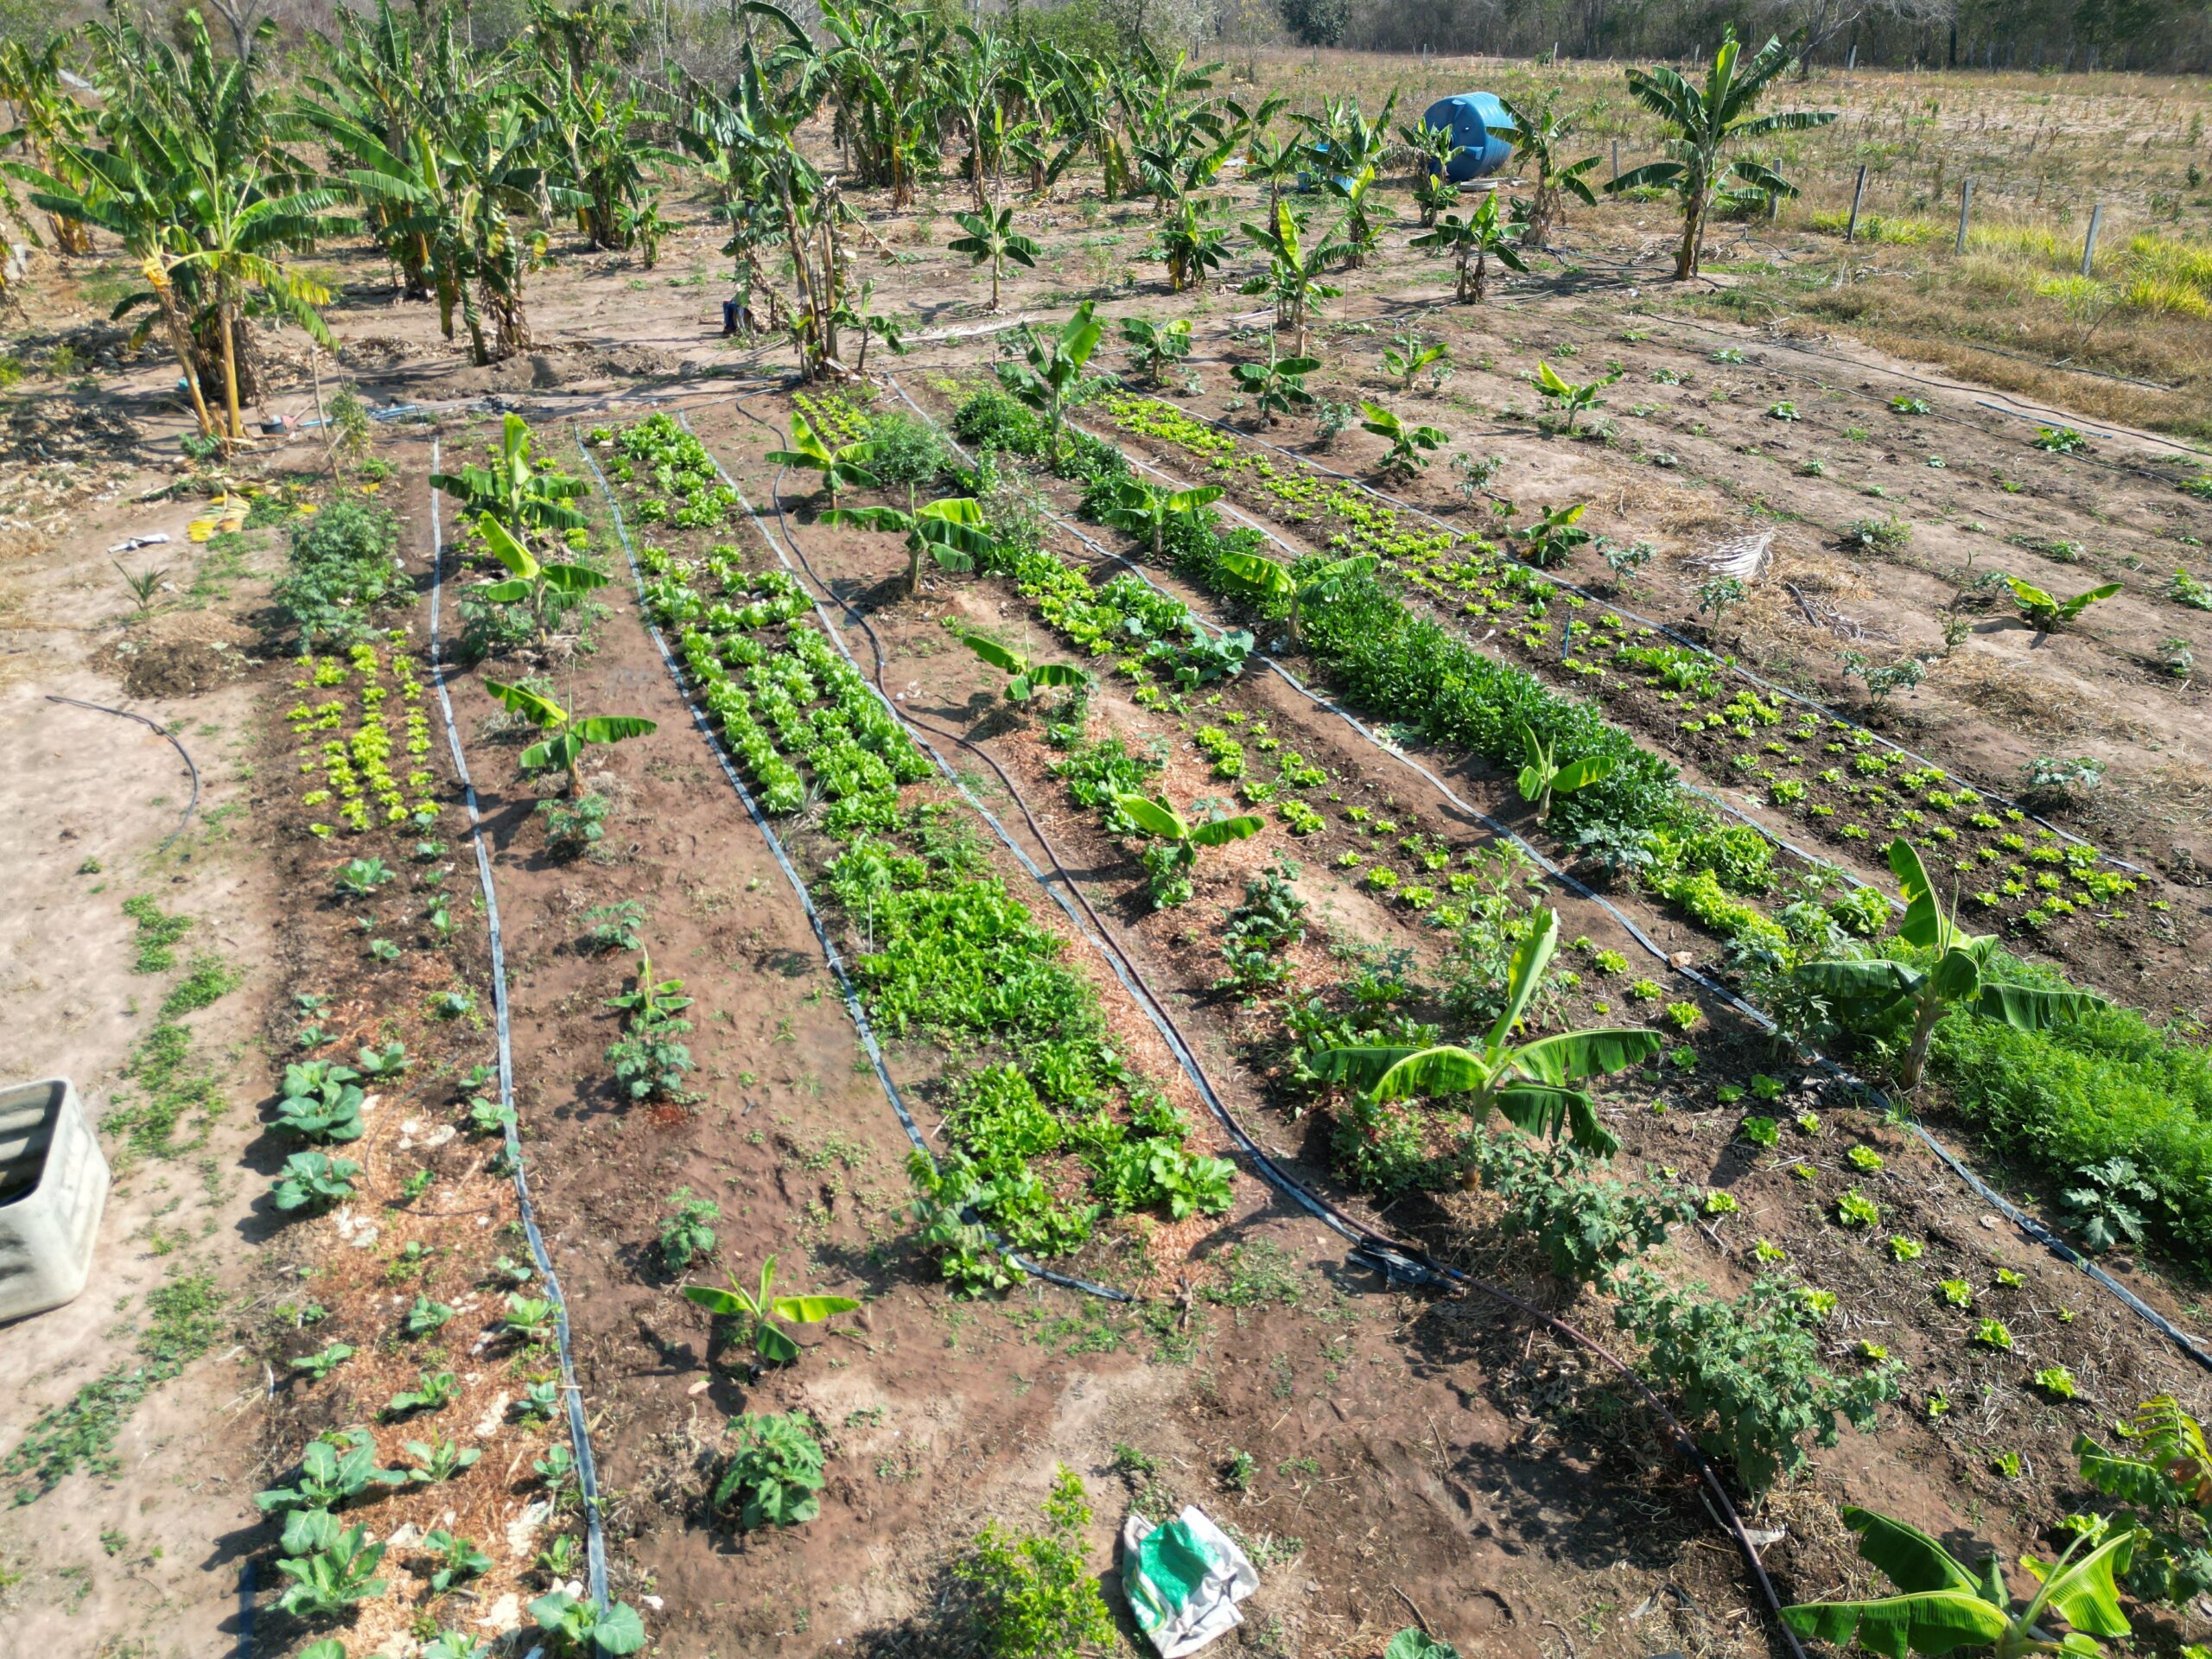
(426, 1346)
(1053, 1129)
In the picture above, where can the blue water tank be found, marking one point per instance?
(1477, 122)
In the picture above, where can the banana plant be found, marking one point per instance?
(1293, 279)
(538, 587)
(1568, 398)
(2046, 615)
(1188, 245)
(1408, 444)
(1155, 347)
(567, 736)
(1365, 216)
(1706, 121)
(1146, 509)
(1024, 679)
(1537, 132)
(991, 239)
(842, 467)
(1472, 241)
(1943, 1606)
(1435, 149)
(1270, 579)
(1178, 842)
(512, 489)
(757, 1311)
(950, 531)
(1542, 779)
(1960, 973)
(1052, 371)
(1278, 385)
(1530, 1084)
(1406, 357)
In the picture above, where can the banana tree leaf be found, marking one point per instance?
(573, 578)
(1928, 1622)
(2083, 1589)
(1387, 1072)
(717, 1300)
(542, 711)
(505, 549)
(612, 728)
(773, 1345)
(1191, 500)
(1958, 976)
(1540, 1108)
(1062, 673)
(1010, 662)
(1881, 983)
(509, 592)
(812, 1310)
(1913, 1560)
(1531, 782)
(868, 517)
(1219, 832)
(1923, 918)
(1262, 574)
(1152, 818)
(1581, 774)
(2025, 1008)
(1525, 974)
(1574, 1054)
(2081, 602)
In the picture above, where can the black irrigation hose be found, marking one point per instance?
(830, 954)
(1684, 640)
(2031, 1227)
(158, 730)
(579, 1430)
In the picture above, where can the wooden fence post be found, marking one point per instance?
(2090, 242)
(1966, 205)
(1617, 158)
(1858, 195)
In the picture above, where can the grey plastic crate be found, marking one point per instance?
(54, 1182)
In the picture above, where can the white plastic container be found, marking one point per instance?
(53, 1181)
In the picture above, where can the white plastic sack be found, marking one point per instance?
(1183, 1580)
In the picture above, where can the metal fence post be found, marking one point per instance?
(2089, 242)
(1858, 195)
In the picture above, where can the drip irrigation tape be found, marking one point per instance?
(1393, 1260)
(158, 730)
(2030, 1228)
(830, 954)
(579, 1430)
(1684, 640)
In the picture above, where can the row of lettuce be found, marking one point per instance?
(2114, 1109)
(1052, 1127)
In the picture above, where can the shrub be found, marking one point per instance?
(993, 419)
(340, 568)
(1033, 1595)
(776, 1471)
(1748, 1373)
